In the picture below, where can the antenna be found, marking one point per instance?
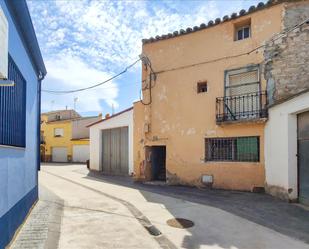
(113, 109)
(52, 104)
(75, 100)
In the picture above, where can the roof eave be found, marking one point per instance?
(20, 14)
(215, 22)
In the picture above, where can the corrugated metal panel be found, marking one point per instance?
(13, 109)
(124, 149)
(106, 151)
(115, 157)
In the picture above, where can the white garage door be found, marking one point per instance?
(59, 154)
(80, 153)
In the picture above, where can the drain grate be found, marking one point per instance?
(153, 230)
(180, 223)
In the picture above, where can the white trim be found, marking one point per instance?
(12, 147)
(242, 28)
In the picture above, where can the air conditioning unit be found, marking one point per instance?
(4, 40)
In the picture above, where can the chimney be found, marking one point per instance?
(107, 116)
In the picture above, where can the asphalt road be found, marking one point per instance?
(107, 212)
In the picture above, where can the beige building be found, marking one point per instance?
(204, 106)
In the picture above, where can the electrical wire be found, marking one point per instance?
(280, 35)
(96, 85)
(123, 85)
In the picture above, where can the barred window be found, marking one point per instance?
(13, 109)
(238, 149)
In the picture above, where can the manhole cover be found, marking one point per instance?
(180, 223)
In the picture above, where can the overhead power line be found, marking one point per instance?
(279, 35)
(146, 60)
(96, 85)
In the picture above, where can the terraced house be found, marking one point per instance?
(202, 116)
(65, 136)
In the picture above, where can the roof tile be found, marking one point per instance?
(211, 23)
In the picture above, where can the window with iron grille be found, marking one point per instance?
(237, 149)
(13, 109)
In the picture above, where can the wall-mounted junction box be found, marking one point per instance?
(4, 39)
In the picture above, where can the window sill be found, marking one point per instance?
(230, 162)
(12, 147)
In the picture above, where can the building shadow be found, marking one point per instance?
(288, 219)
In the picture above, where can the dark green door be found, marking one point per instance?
(303, 157)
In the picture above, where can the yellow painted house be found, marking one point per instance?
(204, 104)
(65, 137)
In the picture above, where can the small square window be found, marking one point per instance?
(243, 33)
(202, 87)
(242, 30)
(58, 132)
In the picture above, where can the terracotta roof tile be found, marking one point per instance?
(217, 21)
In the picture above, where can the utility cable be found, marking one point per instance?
(280, 35)
(96, 85)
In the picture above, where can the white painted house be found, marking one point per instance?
(287, 149)
(111, 144)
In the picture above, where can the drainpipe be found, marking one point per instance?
(40, 79)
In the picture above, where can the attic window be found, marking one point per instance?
(58, 117)
(242, 30)
(202, 87)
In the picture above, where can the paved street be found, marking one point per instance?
(79, 209)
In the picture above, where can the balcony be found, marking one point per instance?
(245, 107)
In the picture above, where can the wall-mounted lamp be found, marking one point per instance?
(4, 83)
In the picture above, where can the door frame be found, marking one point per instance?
(298, 156)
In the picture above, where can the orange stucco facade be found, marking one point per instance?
(180, 118)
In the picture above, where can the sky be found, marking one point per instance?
(85, 42)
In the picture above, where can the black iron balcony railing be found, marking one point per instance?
(242, 107)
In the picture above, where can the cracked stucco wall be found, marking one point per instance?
(181, 119)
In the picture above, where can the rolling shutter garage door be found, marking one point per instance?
(80, 153)
(59, 154)
(115, 151)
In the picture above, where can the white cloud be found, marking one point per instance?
(71, 73)
(83, 40)
(111, 29)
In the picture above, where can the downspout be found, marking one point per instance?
(40, 79)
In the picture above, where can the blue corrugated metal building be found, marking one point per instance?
(19, 120)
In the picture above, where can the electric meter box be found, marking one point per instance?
(4, 40)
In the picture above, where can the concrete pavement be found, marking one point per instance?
(102, 214)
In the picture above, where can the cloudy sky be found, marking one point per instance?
(85, 42)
